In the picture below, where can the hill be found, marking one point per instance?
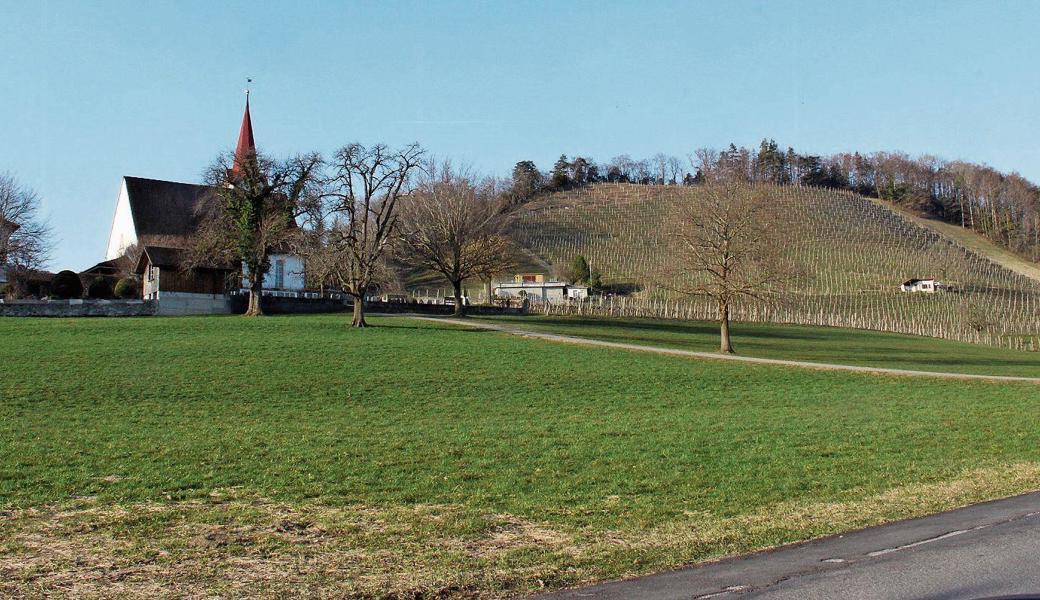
(855, 251)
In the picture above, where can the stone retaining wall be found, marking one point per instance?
(199, 304)
(179, 304)
(78, 308)
(275, 305)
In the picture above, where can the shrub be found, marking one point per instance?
(595, 280)
(100, 288)
(5, 290)
(127, 288)
(66, 284)
(578, 271)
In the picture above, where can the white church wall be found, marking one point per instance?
(293, 278)
(123, 233)
(292, 275)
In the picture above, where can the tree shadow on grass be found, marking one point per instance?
(756, 338)
(702, 328)
(382, 326)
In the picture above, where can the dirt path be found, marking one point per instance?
(567, 339)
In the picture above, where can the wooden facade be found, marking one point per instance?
(158, 279)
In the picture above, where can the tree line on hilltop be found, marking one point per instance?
(1004, 207)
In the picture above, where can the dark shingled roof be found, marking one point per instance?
(165, 213)
(165, 257)
(106, 267)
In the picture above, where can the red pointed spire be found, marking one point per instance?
(246, 149)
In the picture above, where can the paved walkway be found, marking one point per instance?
(568, 339)
(980, 551)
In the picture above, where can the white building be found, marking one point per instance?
(161, 218)
(286, 274)
(928, 286)
(536, 288)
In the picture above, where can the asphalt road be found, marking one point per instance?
(982, 551)
(1000, 560)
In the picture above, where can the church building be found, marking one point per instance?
(159, 219)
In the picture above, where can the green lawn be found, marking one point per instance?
(234, 456)
(795, 342)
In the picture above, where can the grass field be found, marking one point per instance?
(794, 342)
(292, 455)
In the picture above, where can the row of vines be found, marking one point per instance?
(853, 254)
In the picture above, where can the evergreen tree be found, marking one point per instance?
(812, 170)
(593, 173)
(579, 270)
(794, 174)
(770, 163)
(580, 171)
(527, 181)
(560, 177)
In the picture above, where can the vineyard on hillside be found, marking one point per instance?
(853, 253)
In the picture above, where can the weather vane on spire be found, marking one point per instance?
(249, 80)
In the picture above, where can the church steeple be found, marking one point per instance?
(246, 148)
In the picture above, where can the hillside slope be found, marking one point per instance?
(855, 253)
(972, 241)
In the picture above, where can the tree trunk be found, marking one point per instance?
(726, 347)
(359, 312)
(256, 286)
(457, 288)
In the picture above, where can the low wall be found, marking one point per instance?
(438, 309)
(174, 304)
(177, 304)
(78, 308)
(274, 305)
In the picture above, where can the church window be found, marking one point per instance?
(279, 273)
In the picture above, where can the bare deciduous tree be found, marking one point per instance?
(360, 200)
(251, 214)
(675, 169)
(453, 226)
(659, 163)
(319, 262)
(724, 244)
(25, 237)
(706, 161)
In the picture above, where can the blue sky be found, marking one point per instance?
(92, 91)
